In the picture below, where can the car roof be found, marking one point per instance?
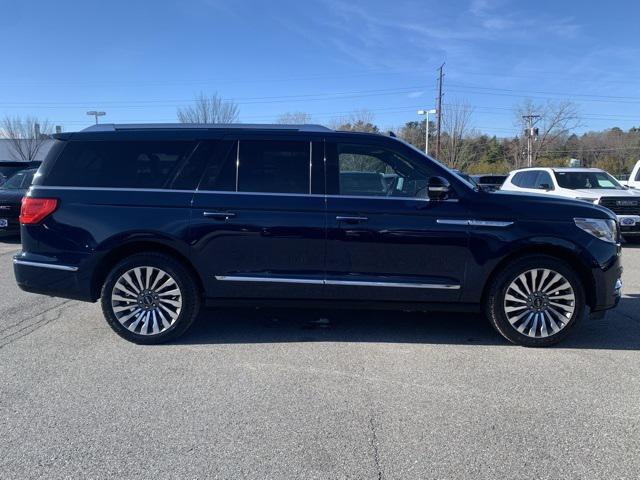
(569, 169)
(185, 130)
(114, 127)
(560, 169)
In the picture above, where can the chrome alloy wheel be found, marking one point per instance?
(539, 303)
(146, 300)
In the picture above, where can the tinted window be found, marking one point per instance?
(121, 164)
(369, 170)
(21, 180)
(587, 180)
(274, 166)
(525, 179)
(220, 174)
(543, 179)
(490, 179)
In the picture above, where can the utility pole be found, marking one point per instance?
(439, 108)
(531, 134)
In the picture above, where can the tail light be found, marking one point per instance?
(34, 210)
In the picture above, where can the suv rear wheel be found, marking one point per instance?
(150, 298)
(535, 301)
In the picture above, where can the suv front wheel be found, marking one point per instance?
(535, 301)
(150, 298)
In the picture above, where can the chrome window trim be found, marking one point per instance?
(310, 163)
(228, 192)
(355, 283)
(237, 163)
(112, 189)
(51, 266)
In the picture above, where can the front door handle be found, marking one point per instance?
(219, 215)
(340, 218)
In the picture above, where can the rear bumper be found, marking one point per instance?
(46, 276)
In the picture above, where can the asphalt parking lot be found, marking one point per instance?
(308, 394)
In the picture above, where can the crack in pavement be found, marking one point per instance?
(41, 319)
(374, 445)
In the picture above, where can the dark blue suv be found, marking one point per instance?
(155, 220)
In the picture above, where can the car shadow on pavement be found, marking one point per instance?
(619, 330)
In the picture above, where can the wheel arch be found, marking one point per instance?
(561, 253)
(106, 263)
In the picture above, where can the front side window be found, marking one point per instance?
(369, 170)
(274, 166)
(119, 164)
(587, 180)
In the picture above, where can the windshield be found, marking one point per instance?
(21, 180)
(587, 180)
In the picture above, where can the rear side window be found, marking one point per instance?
(543, 180)
(274, 166)
(121, 164)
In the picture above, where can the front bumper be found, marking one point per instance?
(608, 286)
(629, 225)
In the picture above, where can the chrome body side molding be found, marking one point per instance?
(357, 283)
(51, 266)
(473, 223)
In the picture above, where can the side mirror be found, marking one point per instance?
(544, 186)
(438, 188)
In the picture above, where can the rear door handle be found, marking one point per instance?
(340, 218)
(219, 215)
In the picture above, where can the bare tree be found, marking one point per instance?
(25, 135)
(294, 118)
(358, 121)
(556, 120)
(456, 119)
(209, 109)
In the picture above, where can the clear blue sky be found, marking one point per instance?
(140, 60)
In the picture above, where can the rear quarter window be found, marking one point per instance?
(118, 164)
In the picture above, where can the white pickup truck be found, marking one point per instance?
(634, 177)
(587, 184)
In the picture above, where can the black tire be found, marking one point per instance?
(497, 291)
(188, 291)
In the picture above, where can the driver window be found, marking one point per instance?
(367, 170)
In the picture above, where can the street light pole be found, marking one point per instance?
(426, 128)
(96, 114)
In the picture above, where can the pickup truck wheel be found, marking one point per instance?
(150, 298)
(535, 301)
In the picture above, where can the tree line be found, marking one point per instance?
(462, 146)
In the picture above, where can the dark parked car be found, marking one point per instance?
(8, 168)
(154, 220)
(490, 183)
(11, 193)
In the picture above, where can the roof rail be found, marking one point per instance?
(113, 127)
